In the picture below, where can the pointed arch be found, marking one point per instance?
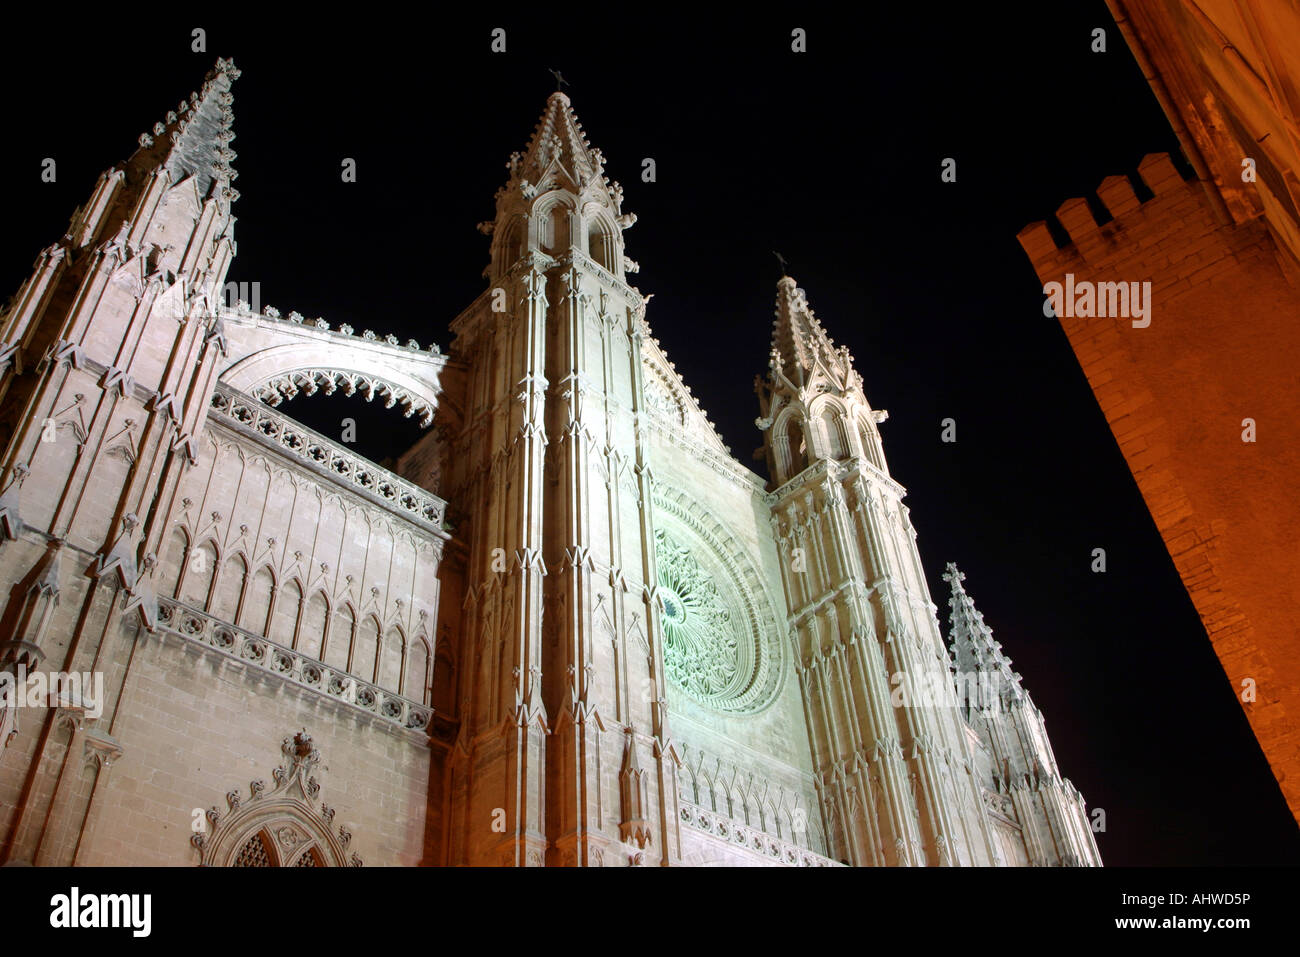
(792, 451)
(280, 828)
(771, 818)
(417, 672)
(365, 660)
(511, 246)
(198, 574)
(553, 227)
(726, 799)
(284, 614)
(310, 858)
(341, 638)
(313, 625)
(692, 782)
(173, 563)
(228, 590)
(256, 611)
(601, 243)
(871, 447)
(740, 807)
(392, 659)
(833, 435)
(257, 851)
(709, 790)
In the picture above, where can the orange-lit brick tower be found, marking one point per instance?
(1203, 399)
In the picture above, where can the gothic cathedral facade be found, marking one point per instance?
(567, 628)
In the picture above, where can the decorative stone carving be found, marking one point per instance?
(700, 639)
(295, 833)
(407, 498)
(292, 666)
(633, 784)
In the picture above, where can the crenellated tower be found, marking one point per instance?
(893, 764)
(1038, 815)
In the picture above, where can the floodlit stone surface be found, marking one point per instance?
(568, 628)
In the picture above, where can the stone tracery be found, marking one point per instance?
(719, 646)
(700, 643)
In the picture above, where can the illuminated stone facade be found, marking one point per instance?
(568, 628)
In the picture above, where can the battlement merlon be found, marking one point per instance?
(1089, 240)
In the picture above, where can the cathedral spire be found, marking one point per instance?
(559, 137)
(558, 199)
(812, 402)
(800, 346)
(973, 647)
(194, 139)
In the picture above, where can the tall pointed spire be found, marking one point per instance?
(558, 198)
(559, 137)
(800, 345)
(194, 139)
(973, 647)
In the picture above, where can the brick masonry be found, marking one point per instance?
(1220, 349)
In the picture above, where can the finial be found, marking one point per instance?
(560, 81)
(780, 259)
(952, 575)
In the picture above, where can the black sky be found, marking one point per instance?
(831, 157)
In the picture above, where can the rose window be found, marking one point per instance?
(701, 641)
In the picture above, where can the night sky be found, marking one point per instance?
(831, 157)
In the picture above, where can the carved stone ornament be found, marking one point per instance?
(283, 825)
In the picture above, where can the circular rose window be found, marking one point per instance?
(712, 649)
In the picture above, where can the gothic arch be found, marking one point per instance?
(836, 441)
(692, 784)
(602, 242)
(710, 790)
(829, 415)
(341, 638)
(365, 657)
(792, 451)
(313, 625)
(442, 693)
(279, 829)
(553, 220)
(173, 562)
(198, 574)
(416, 673)
(255, 610)
(286, 613)
(229, 588)
(511, 244)
(391, 666)
(274, 360)
(871, 446)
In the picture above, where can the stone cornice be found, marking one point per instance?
(321, 457)
(742, 837)
(384, 708)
